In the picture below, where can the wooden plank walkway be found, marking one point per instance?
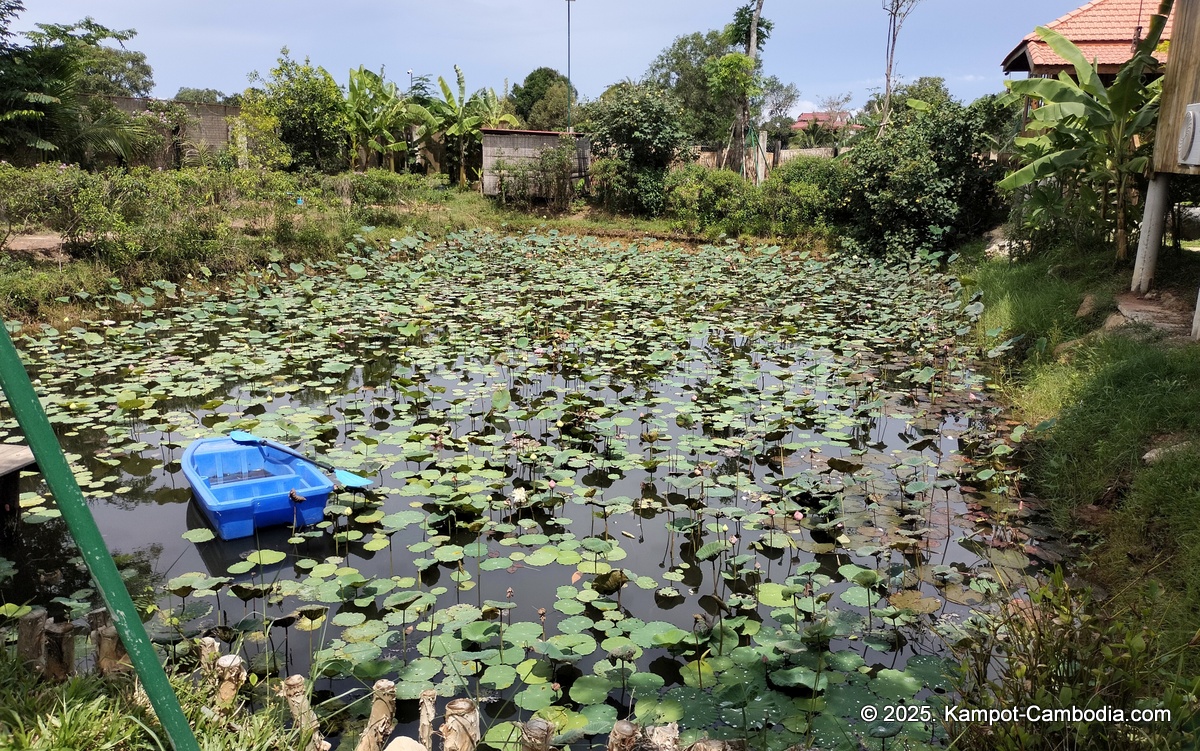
(14, 459)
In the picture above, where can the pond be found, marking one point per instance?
(742, 489)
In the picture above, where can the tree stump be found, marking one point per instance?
(623, 736)
(111, 656)
(60, 650)
(231, 675)
(536, 735)
(428, 702)
(460, 731)
(383, 717)
(294, 691)
(31, 640)
(210, 652)
(663, 737)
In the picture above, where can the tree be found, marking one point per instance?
(638, 129)
(255, 135)
(537, 85)
(1090, 132)
(898, 12)
(929, 89)
(310, 109)
(749, 29)
(550, 113)
(776, 100)
(681, 70)
(199, 96)
(837, 109)
(921, 186)
(462, 120)
(380, 118)
(106, 71)
(9, 10)
(780, 129)
(45, 111)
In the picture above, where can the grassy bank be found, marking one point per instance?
(90, 712)
(1101, 400)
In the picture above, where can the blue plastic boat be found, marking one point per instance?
(241, 487)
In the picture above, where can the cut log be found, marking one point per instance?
(663, 737)
(428, 703)
(460, 731)
(536, 735)
(210, 652)
(231, 675)
(383, 717)
(623, 736)
(60, 650)
(31, 639)
(111, 656)
(294, 691)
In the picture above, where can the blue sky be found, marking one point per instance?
(824, 47)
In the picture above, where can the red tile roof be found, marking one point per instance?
(824, 118)
(1103, 30)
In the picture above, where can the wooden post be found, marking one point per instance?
(60, 650)
(536, 735)
(231, 674)
(623, 736)
(294, 690)
(460, 731)
(428, 711)
(98, 619)
(31, 639)
(383, 717)
(1153, 224)
(111, 656)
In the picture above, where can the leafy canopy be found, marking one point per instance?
(310, 109)
(105, 70)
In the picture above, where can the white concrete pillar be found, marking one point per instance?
(1153, 225)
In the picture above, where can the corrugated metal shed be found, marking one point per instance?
(513, 147)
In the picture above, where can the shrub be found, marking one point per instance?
(712, 200)
(806, 193)
(921, 187)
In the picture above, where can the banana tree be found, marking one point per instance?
(379, 118)
(463, 119)
(1088, 130)
(490, 109)
(455, 120)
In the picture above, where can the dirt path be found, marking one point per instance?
(43, 247)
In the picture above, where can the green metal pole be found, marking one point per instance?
(53, 465)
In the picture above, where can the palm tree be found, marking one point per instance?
(463, 119)
(44, 114)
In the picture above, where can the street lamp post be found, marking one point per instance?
(569, 129)
(410, 79)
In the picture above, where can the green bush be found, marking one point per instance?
(921, 187)
(806, 193)
(704, 199)
(638, 135)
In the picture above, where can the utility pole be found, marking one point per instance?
(569, 128)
